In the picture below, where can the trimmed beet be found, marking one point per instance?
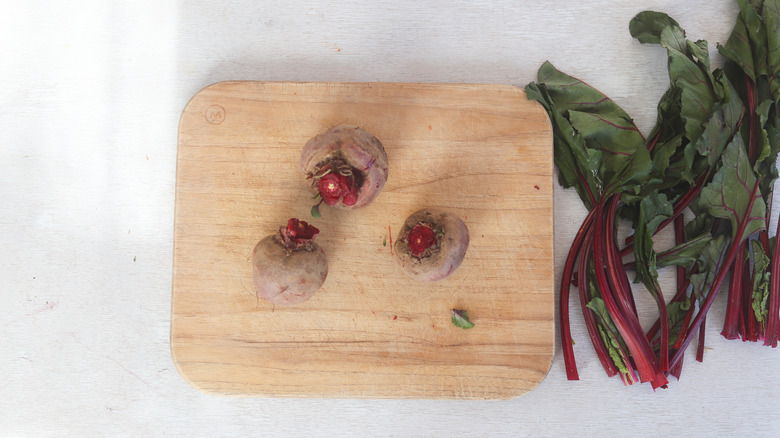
(346, 165)
(431, 244)
(288, 267)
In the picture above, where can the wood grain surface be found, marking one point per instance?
(483, 152)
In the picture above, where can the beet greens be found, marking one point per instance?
(707, 167)
(753, 54)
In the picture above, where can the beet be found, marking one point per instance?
(289, 267)
(346, 166)
(431, 244)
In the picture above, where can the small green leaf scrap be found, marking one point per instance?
(315, 211)
(460, 318)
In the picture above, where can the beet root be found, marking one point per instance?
(346, 165)
(431, 244)
(288, 267)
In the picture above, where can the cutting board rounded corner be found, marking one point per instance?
(204, 389)
(210, 88)
(182, 373)
(539, 108)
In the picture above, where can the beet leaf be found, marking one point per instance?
(685, 253)
(653, 210)
(771, 12)
(733, 193)
(688, 65)
(708, 264)
(760, 285)
(460, 318)
(601, 126)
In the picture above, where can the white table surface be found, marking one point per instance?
(90, 97)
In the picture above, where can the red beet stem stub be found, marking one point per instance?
(301, 230)
(346, 166)
(297, 234)
(421, 238)
(431, 244)
(335, 187)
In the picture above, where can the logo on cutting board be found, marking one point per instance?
(215, 114)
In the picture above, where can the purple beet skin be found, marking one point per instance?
(346, 166)
(288, 267)
(431, 244)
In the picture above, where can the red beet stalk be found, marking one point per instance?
(720, 276)
(740, 317)
(734, 303)
(773, 319)
(625, 320)
(580, 247)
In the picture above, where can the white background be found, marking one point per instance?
(90, 97)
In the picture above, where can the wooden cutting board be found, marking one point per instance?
(483, 152)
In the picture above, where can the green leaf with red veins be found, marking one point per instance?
(569, 150)
(593, 122)
(738, 48)
(698, 96)
(731, 191)
(575, 162)
(625, 159)
(668, 171)
(750, 11)
(570, 93)
(688, 66)
(721, 126)
(460, 318)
